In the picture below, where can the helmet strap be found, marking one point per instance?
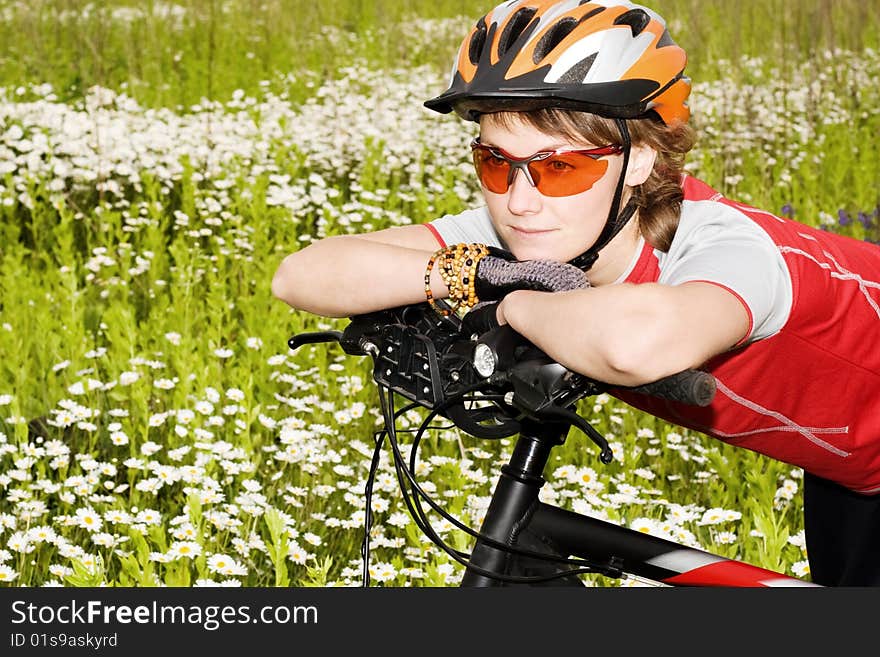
(616, 219)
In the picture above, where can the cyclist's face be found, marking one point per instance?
(535, 226)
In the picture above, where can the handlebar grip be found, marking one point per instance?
(693, 387)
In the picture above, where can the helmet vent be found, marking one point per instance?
(665, 40)
(514, 29)
(553, 37)
(577, 73)
(591, 13)
(478, 41)
(637, 19)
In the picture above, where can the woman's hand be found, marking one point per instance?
(482, 318)
(486, 316)
(499, 274)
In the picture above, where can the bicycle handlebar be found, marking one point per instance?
(429, 360)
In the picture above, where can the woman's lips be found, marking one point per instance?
(529, 233)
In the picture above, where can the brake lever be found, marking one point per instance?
(554, 412)
(355, 340)
(298, 340)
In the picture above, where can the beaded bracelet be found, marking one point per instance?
(457, 266)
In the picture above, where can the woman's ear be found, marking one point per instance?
(641, 163)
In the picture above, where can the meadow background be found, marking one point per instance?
(158, 160)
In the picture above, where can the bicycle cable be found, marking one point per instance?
(379, 439)
(407, 480)
(587, 566)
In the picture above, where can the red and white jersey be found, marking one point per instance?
(804, 386)
(809, 394)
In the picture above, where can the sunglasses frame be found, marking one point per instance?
(522, 164)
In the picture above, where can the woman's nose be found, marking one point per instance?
(522, 196)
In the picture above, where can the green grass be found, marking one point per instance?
(140, 233)
(174, 54)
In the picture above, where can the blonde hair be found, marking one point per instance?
(659, 198)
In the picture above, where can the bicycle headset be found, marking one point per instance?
(612, 59)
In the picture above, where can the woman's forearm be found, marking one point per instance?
(629, 334)
(578, 329)
(348, 275)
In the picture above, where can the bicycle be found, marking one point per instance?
(498, 385)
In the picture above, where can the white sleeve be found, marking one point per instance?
(719, 244)
(470, 226)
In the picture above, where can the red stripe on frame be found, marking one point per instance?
(725, 573)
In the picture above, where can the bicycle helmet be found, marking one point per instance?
(607, 57)
(614, 59)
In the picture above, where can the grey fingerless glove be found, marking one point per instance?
(498, 276)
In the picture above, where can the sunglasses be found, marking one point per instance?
(554, 173)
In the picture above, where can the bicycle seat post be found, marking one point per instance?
(513, 499)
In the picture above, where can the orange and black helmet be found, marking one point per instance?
(608, 57)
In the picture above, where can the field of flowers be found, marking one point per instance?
(154, 427)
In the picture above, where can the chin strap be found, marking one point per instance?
(616, 220)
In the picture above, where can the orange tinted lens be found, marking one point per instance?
(565, 174)
(491, 170)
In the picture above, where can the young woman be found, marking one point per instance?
(583, 129)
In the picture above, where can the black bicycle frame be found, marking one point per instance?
(515, 509)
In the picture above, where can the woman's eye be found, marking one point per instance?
(559, 165)
(495, 161)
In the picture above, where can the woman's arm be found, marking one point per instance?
(347, 275)
(629, 334)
